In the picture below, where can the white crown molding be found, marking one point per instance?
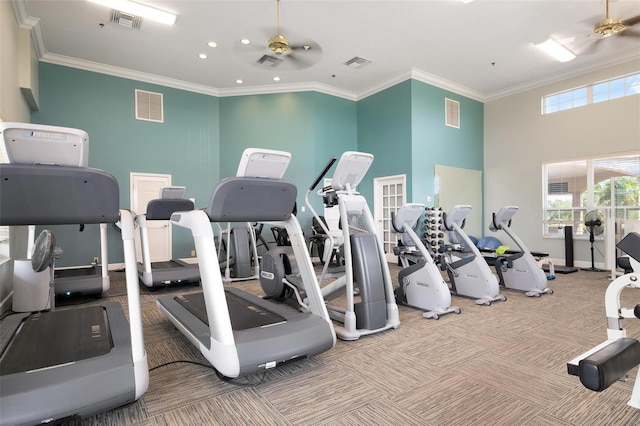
(627, 56)
(128, 74)
(192, 87)
(32, 24)
(288, 88)
(442, 83)
(390, 82)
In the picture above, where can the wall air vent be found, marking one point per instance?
(125, 19)
(452, 113)
(149, 106)
(356, 62)
(269, 61)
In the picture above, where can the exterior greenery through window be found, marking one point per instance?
(598, 92)
(608, 184)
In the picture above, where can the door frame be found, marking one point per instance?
(133, 201)
(384, 222)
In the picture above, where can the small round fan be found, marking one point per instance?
(44, 255)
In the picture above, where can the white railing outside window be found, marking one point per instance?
(571, 189)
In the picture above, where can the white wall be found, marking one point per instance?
(518, 140)
(12, 108)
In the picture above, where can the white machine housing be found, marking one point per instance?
(26, 143)
(470, 276)
(524, 274)
(421, 283)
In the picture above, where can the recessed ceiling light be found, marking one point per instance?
(212, 44)
(245, 41)
(202, 56)
(276, 78)
(238, 81)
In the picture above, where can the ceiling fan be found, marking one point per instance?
(282, 54)
(609, 27)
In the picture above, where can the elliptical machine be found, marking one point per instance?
(421, 284)
(365, 264)
(517, 271)
(470, 276)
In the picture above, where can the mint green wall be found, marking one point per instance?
(202, 138)
(311, 126)
(435, 143)
(186, 145)
(403, 127)
(199, 143)
(384, 130)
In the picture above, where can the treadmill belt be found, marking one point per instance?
(47, 339)
(243, 314)
(169, 264)
(75, 272)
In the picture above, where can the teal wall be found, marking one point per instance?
(435, 143)
(384, 130)
(311, 126)
(200, 141)
(403, 127)
(186, 145)
(203, 136)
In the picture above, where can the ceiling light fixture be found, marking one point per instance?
(238, 81)
(556, 50)
(139, 9)
(276, 78)
(202, 56)
(212, 44)
(245, 41)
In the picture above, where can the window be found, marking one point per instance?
(598, 92)
(573, 188)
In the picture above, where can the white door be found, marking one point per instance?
(389, 196)
(144, 188)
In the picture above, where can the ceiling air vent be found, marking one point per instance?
(125, 19)
(357, 62)
(269, 61)
(149, 106)
(452, 113)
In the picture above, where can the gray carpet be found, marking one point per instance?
(504, 364)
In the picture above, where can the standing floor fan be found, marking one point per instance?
(594, 222)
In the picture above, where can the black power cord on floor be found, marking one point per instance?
(234, 381)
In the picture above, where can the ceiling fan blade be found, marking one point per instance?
(629, 33)
(632, 21)
(299, 60)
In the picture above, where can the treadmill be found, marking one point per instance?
(76, 280)
(63, 364)
(237, 332)
(173, 271)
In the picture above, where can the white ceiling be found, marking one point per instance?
(482, 49)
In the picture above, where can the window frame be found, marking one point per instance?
(574, 215)
(629, 85)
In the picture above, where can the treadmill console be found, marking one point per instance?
(172, 192)
(24, 143)
(351, 169)
(263, 163)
